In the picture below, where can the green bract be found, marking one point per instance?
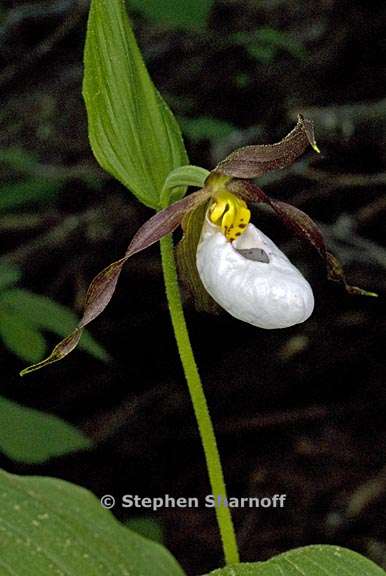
(132, 132)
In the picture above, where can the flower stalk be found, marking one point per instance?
(197, 395)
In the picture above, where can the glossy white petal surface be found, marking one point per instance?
(267, 295)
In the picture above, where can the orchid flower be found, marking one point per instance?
(246, 273)
(222, 256)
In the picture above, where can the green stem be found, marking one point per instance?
(197, 395)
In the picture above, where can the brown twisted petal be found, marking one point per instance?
(103, 285)
(302, 225)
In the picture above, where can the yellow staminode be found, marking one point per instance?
(231, 213)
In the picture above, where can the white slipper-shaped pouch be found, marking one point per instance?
(252, 279)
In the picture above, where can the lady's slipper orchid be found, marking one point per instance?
(240, 267)
(246, 273)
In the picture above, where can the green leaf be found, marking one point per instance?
(31, 436)
(18, 159)
(281, 39)
(175, 13)
(206, 128)
(132, 132)
(265, 43)
(21, 337)
(49, 527)
(45, 314)
(9, 275)
(32, 191)
(178, 179)
(148, 527)
(308, 561)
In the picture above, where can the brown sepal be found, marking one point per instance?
(254, 161)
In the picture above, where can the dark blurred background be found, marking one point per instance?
(298, 411)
